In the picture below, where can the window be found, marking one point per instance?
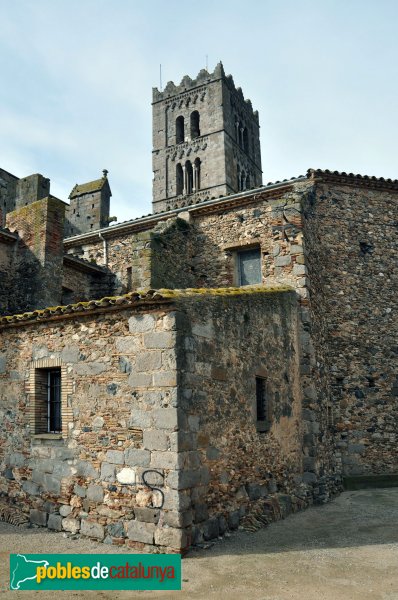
(262, 405)
(50, 389)
(196, 174)
(179, 180)
(188, 177)
(54, 424)
(195, 129)
(179, 130)
(249, 267)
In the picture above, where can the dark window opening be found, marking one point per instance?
(179, 130)
(195, 128)
(196, 179)
(249, 267)
(54, 424)
(179, 180)
(262, 405)
(129, 279)
(188, 177)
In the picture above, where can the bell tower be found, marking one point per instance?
(206, 141)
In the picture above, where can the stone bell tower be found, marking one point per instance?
(206, 141)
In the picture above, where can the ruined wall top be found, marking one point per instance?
(204, 77)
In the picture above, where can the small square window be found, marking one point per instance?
(249, 267)
(262, 405)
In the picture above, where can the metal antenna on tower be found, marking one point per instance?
(160, 76)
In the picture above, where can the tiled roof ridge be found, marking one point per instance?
(135, 298)
(355, 178)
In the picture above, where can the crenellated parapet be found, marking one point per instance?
(188, 84)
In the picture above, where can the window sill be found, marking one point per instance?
(47, 436)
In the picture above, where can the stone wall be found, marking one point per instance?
(350, 234)
(38, 263)
(119, 427)
(227, 339)
(157, 257)
(7, 253)
(8, 184)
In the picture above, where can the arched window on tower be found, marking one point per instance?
(179, 130)
(195, 128)
(238, 178)
(196, 175)
(248, 181)
(188, 177)
(179, 180)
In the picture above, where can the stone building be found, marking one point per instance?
(227, 359)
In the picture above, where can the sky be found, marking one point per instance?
(77, 77)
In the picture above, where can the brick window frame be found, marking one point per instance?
(37, 395)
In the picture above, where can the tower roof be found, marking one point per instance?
(91, 186)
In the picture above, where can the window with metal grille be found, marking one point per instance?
(54, 424)
(249, 267)
(262, 405)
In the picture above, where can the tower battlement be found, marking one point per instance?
(188, 84)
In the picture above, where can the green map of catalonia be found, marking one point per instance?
(25, 570)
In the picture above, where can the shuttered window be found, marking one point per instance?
(249, 267)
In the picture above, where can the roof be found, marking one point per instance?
(351, 179)
(133, 299)
(83, 265)
(89, 187)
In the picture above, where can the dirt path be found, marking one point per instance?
(346, 550)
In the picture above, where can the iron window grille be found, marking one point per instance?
(54, 421)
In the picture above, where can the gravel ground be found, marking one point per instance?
(345, 550)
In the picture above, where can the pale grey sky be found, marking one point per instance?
(77, 77)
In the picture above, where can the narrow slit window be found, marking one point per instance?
(262, 405)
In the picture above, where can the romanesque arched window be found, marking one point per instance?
(195, 128)
(196, 174)
(179, 130)
(179, 180)
(188, 177)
